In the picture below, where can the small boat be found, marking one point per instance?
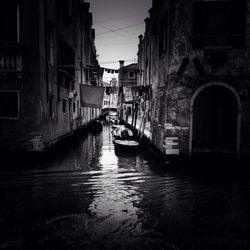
(126, 144)
(121, 132)
(112, 117)
(126, 153)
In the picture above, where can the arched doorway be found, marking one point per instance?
(215, 120)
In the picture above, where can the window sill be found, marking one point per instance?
(216, 48)
(10, 46)
(51, 63)
(10, 118)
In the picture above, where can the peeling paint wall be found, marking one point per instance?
(182, 70)
(36, 128)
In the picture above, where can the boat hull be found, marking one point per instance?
(127, 145)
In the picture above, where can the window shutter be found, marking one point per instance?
(238, 23)
(198, 24)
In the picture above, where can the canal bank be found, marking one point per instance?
(56, 147)
(218, 162)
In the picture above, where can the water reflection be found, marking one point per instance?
(89, 196)
(115, 202)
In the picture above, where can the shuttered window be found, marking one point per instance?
(9, 104)
(219, 23)
(163, 33)
(8, 21)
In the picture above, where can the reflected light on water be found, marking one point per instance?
(91, 196)
(115, 202)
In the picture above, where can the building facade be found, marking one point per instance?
(110, 98)
(46, 51)
(195, 54)
(127, 82)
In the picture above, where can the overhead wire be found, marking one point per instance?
(116, 61)
(119, 29)
(116, 19)
(114, 44)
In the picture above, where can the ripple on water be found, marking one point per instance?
(92, 196)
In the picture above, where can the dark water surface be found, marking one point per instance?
(90, 197)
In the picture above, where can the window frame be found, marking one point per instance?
(51, 43)
(64, 106)
(201, 29)
(131, 77)
(18, 106)
(51, 107)
(163, 34)
(17, 7)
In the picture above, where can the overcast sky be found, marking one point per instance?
(118, 23)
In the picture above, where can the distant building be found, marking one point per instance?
(195, 54)
(46, 51)
(110, 99)
(127, 75)
(127, 81)
(113, 82)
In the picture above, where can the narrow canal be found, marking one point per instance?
(90, 197)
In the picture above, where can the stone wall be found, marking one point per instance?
(182, 70)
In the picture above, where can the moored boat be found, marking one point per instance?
(121, 132)
(126, 144)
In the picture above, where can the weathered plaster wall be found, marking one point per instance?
(16, 134)
(35, 129)
(176, 76)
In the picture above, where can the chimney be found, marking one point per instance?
(121, 63)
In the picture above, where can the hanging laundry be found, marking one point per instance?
(120, 90)
(107, 90)
(140, 90)
(91, 96)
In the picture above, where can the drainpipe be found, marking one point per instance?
(81, 52)
(46, 50)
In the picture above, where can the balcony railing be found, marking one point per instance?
(10, 63)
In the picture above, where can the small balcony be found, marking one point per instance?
(10, 63)
(10, 58)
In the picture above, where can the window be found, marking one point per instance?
(129, 110)
(51, 107)
(66, 53)
(78, 108)
(9, 104)
(74, 107)
(51, 43)
(85, 44)
(64, 105)
(86, 72)
(66, 10)
(131, 75)
(9, 22)
(163, 31)
(219, 23)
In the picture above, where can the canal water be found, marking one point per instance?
(88, 196)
